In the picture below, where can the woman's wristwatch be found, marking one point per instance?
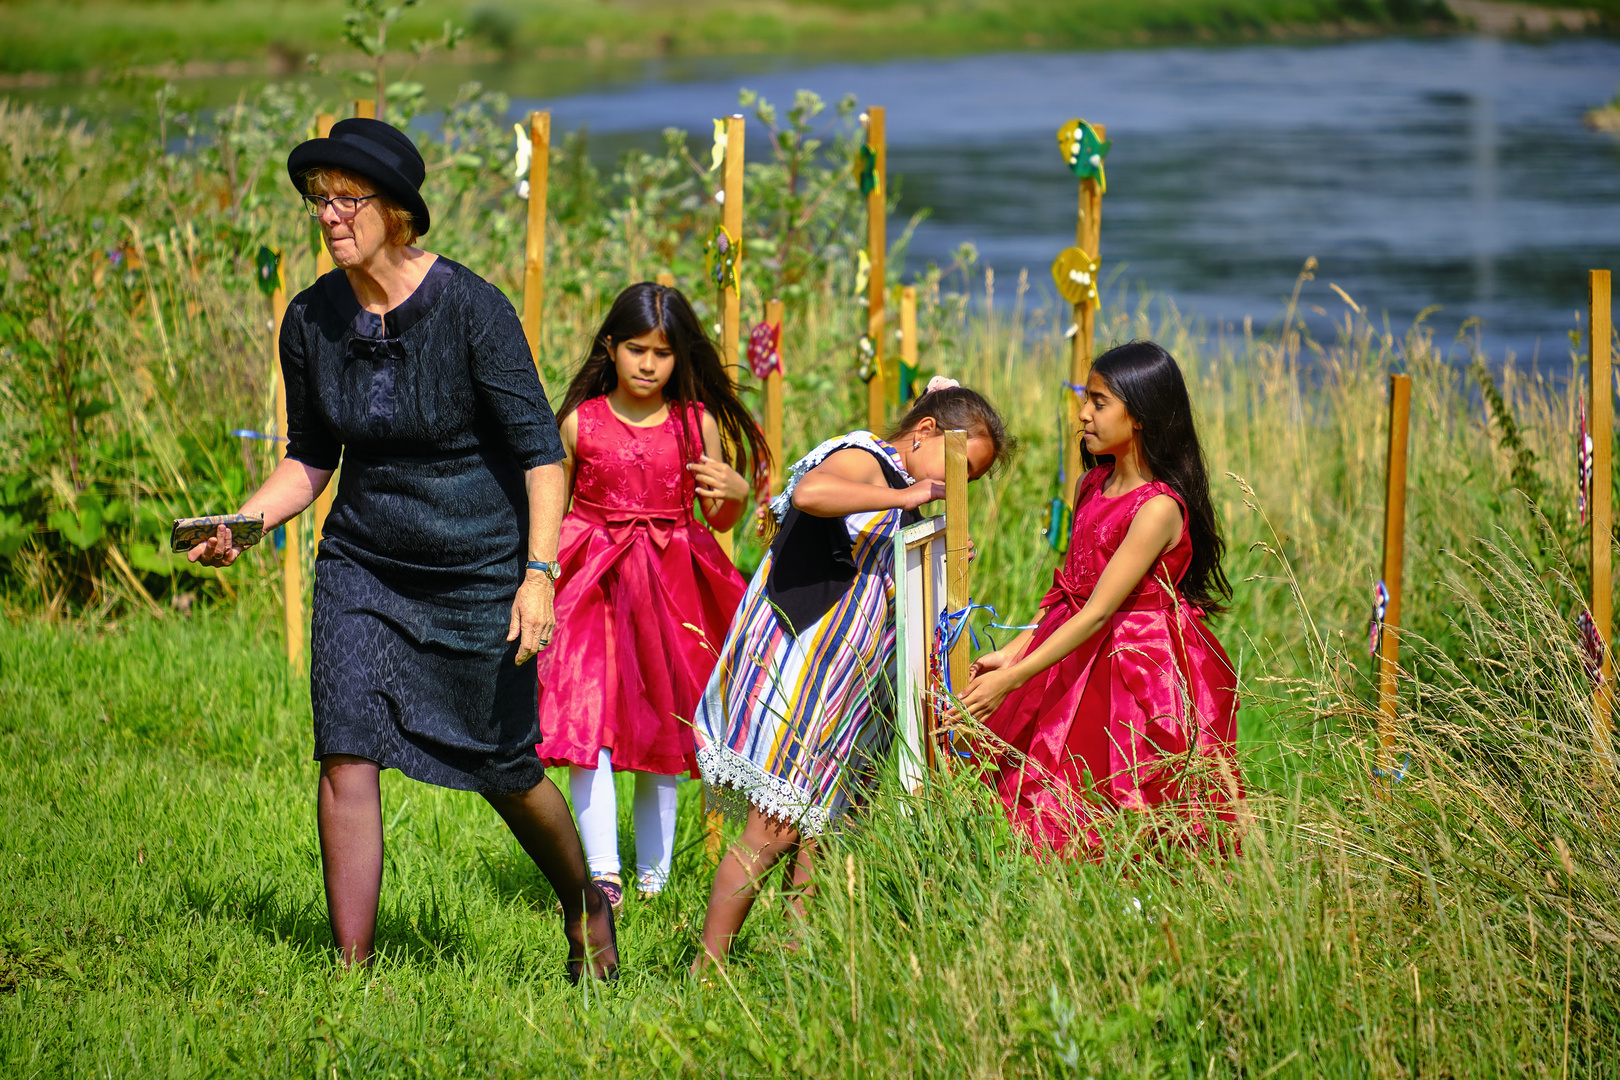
(552, 569)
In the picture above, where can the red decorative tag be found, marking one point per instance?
(765, 349)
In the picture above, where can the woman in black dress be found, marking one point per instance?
(426, 621)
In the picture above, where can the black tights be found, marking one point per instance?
(349, 816)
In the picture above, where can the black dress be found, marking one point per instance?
(436, 411)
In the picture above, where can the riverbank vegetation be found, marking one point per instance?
(108, 35)
(161, 911)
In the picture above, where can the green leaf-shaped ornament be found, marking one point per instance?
(866, 169)
(1083, 151)
(265, 269)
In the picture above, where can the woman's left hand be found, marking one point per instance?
(986, 692)
(717, 480)
(533, 616)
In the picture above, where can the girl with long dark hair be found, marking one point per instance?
(651, 426)
(1121, 698)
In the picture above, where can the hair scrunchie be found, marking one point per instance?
(940, 382)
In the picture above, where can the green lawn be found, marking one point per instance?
(161, 915)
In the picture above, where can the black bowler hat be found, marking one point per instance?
(377, 151)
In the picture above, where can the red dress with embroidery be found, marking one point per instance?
(644, 601)
(1142, 715)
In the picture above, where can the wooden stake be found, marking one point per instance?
(877, 395)
(666, 279)
(773, 403)
(731, 216)
(534, 248)
(1088, 238)
(1600, 329)
(908, 345)
(731, 298)
(365, 108)
(292, 554)
(323, 266)
(1389, 643)
(957, 582)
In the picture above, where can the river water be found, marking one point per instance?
(1449, 172)
(1453, 172)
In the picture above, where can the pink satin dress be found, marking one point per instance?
(1143, 715)
(644, 601)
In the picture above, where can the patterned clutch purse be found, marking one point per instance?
(246, 530)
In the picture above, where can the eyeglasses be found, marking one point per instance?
(346, 205)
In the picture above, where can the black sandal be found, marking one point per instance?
(576, 968)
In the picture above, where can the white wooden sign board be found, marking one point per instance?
(919, 591)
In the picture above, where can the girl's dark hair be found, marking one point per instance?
(699, 376)
(956, 408)
(1148, 381)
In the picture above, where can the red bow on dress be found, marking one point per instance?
(659, 522)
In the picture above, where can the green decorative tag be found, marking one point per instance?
(720, 258)
(1059, 524)
(866, 169)
(265, 269)
(1083, 151)
(908, 379)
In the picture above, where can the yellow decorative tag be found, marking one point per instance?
(717, 153)
(1075, 274)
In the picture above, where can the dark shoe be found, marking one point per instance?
(576, 968)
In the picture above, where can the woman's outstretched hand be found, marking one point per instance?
(217, 550)
(988, 690)
(718, 480)
(534, 618)
(990, 661)
(921, 493)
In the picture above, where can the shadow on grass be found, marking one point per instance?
(416, 929)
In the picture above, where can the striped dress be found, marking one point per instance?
(796, 725)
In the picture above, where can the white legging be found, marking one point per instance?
(596, 806)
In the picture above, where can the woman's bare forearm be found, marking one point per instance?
(722, 514)
(291, 487)
(830, 495)
(548, 498)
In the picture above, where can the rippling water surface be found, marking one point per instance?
(1448, 172)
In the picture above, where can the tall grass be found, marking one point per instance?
(161, 903)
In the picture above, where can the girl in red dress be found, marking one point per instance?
(645, 595)
(1120, 698)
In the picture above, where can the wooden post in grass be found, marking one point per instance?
(773, 402)
(1389, 642)
(323, 266)
(534, 247)
(666, 279)
(957, 583)
(1600, 329)
(365, 108)
(731, 216)
(908, 345)
(1088, 238)
(292, 555)
(877, 395)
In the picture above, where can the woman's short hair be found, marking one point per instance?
(329, 180)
